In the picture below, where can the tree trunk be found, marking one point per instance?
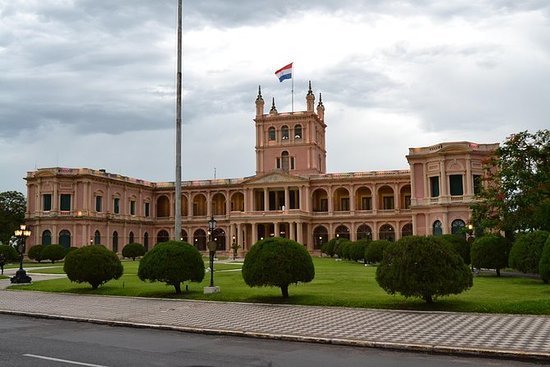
(178, 288)
(428, 298)
(498, 272)
(284, 290)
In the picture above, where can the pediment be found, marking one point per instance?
(275, 177)
(45, 173)
(455, 148)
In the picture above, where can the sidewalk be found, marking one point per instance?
(495, 335)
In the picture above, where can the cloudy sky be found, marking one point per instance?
(90, 83)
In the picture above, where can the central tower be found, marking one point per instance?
(290, 142)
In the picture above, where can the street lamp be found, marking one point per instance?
(21, 235)
(212, 246)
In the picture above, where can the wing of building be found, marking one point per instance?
(291, 195)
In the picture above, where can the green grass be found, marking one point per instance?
(336, 284)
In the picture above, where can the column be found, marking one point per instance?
(468, 178)
(209, 204)
(266, 200)
(287, 199)
(300, 237)
(254, 233)
(442, 179)
(329, 197)
(291, 230)
(276, 229)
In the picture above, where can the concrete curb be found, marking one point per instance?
(425, 348)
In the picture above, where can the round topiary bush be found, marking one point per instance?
(277, 262)
(328, 248)
(490, 251)
(93, 264)
(133, 250)
(459, 244)
(340, 247)
(422, 267)
(357, 250)
(544, 264)
(345, 250)
(375, 251)
(526, 251)
(172, 262)
(35, 253)
(53, 253)
(10, 254)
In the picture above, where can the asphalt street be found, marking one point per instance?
(27, 341)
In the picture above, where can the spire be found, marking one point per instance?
(259, 98)
(310, 92)
(320, 100)
(321, 108)
(273, 108)
(259, 103)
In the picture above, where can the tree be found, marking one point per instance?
(94, 264)
(172, 262)
(423, 267)
(544, 264)
(12, 213)
(375, 251)
(53, 253)
(518, 196)
(357, 250)
(490, 251)
(459, 244)
(35, 253)
(10, 254)
(329, 247)
(527, 250)
(133, 250)
(277, 262)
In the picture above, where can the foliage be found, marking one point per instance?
(340, 248)
(375, 251)
(329, 247)
(518, 197)
(53, 253)
(544, 264)
(72, 248)
(277, 262)
(423, 267)
(10, 254)
(345, 249)
(490, 251)
(35, 253)
(12, 213)
(357, 250)
(172, 262)
(93, 264)
(526, 251)
(459, 244)
(133, 250)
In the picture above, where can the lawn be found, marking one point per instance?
(336, 283)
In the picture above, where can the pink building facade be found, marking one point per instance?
(291, 195)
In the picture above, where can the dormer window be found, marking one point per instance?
(284, 132)
(298, 132)
(271, 133)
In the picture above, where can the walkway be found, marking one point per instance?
(509, 336)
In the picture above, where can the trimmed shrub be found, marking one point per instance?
(35, 253)
(72, 249)
(544, 264)
(375, 251)
(94, 264)
(490, 251)
(526, 251)
(340, 247)
(345, 249)
(10, 254)
(422, 267)
(53, 253)
(277, 262)
(172, 262)
(133, 250)
(459, 244)
(357, 250)
(329, 247)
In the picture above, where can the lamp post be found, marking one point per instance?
(212, 246)
(21, 235)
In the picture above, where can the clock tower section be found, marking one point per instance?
(290, 142)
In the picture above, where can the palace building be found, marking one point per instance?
(291, 195)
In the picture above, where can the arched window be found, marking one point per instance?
(342, 232)
(65, 238)
(199, 239)
(131, 237)
(437, 229)
(457, 228)
(46, 237)
(271, 133)
(163, 236)
(284, 133)
(407, 230)
(163, 207)
(97, 238)
(146, 241)
(387, 233)
(284, 160)
(320, 237)
(183, 235)
(218, 204)
(364, 232)
(115, 241)
(298, 131)
(320, 201)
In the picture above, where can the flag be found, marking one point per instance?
(284, 73)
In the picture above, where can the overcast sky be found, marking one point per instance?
(91, 83)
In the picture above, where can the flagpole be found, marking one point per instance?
(177, 214)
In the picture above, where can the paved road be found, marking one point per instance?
(26, 342)
(509, 336)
